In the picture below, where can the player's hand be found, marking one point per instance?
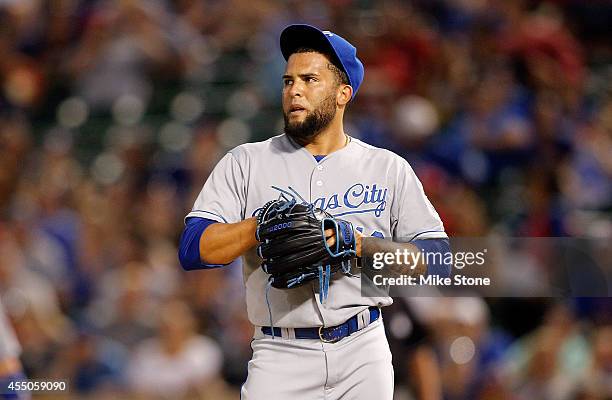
(330, 237)
(358, 237)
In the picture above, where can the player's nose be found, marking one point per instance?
(296, 90)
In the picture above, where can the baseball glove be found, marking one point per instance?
(293, 246)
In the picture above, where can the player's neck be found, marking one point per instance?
(329, 140)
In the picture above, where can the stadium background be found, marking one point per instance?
(112, 114)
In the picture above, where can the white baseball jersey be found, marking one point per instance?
(373, 188)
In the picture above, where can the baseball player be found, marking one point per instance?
(315, 336)
(10, 366)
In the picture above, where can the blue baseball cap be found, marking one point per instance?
(300, 35)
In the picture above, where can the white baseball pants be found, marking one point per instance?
(357, 367)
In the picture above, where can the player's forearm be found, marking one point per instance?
(223, 243)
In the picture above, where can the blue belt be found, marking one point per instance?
(330, 334)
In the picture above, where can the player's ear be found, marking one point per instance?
(345, 92)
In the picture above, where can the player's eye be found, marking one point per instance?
(287, 82)
(311, 79)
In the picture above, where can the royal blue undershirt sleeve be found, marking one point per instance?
(437, 250)
(189, 245)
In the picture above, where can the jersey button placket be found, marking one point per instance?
(319, 197)
(317, 184)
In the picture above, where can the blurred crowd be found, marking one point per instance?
(113, 113)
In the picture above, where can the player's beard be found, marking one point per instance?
(306, 131)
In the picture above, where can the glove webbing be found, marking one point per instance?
(324, 282)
